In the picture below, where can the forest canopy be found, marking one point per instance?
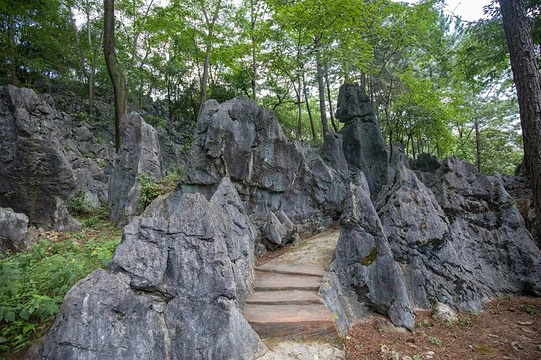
(439, 84)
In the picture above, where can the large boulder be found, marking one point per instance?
(174, 288)
(461, 242)
(364, 147)
(364, 275)
(139, 154)
(239, 139)
(13, 231)
(37, 177)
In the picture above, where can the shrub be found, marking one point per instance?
(149, 190)
(33, 285)
(78, 205)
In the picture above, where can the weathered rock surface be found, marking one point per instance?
(37, 177)
(443, 313)
(364, 274)
(139, 153)
(173, 289)
(426, 163)
(364, 147)
(520, 189)
(277, 229)
(240, 139)
(460, 243)
(13, 231)
(457, 239)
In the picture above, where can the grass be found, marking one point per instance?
(33, 283)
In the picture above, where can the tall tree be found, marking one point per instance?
(528, 83)
(210, 11)
(115, 73)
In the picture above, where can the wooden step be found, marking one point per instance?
(268, 281)
(291, 297)
(290, 321)
(310, 270)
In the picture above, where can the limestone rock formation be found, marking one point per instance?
(363, 144)
(364, 274)
(173, 289)
(37, 177)
(520, 189)
(241, 140)
(461, 242)
(139, 153)
(13, 230)
(426, 163)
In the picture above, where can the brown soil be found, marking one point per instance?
(509, 328)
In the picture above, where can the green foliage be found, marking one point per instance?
(33, 284)
(150, 189)
(465, 321)
(434, 341)
(78, 205)
(430, 77)
(417, 357)
(96, 219)
(171, 179)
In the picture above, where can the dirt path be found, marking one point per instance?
(317, 250)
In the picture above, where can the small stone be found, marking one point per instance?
(443, 313)
(385, 325)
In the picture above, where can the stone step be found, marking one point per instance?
(268, 281)
(311, 270)
(290, 321)
(291, 297)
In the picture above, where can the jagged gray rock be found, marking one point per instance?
(278, 229)
(13, 231)
(37, 177)
(173, 290)
(241, 140)
(364, 274)
(139, 153)
(364, 147)
(333, 153)
(426, 163)
(460, 243)
(520, 189)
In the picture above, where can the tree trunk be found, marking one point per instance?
(299, 109)
(115, 73)
(254, 55)
(528, 83)
(321, 91)
(210, 22)
(312, 128)
(334, 125)
(477, 146)
(204, 81)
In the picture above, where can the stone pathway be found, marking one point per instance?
(286, 304)
(286, 310)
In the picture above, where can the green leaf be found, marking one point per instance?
(24, 314)
(10, 316)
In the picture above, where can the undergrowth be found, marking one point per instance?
(150, 189)
(33, 283)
